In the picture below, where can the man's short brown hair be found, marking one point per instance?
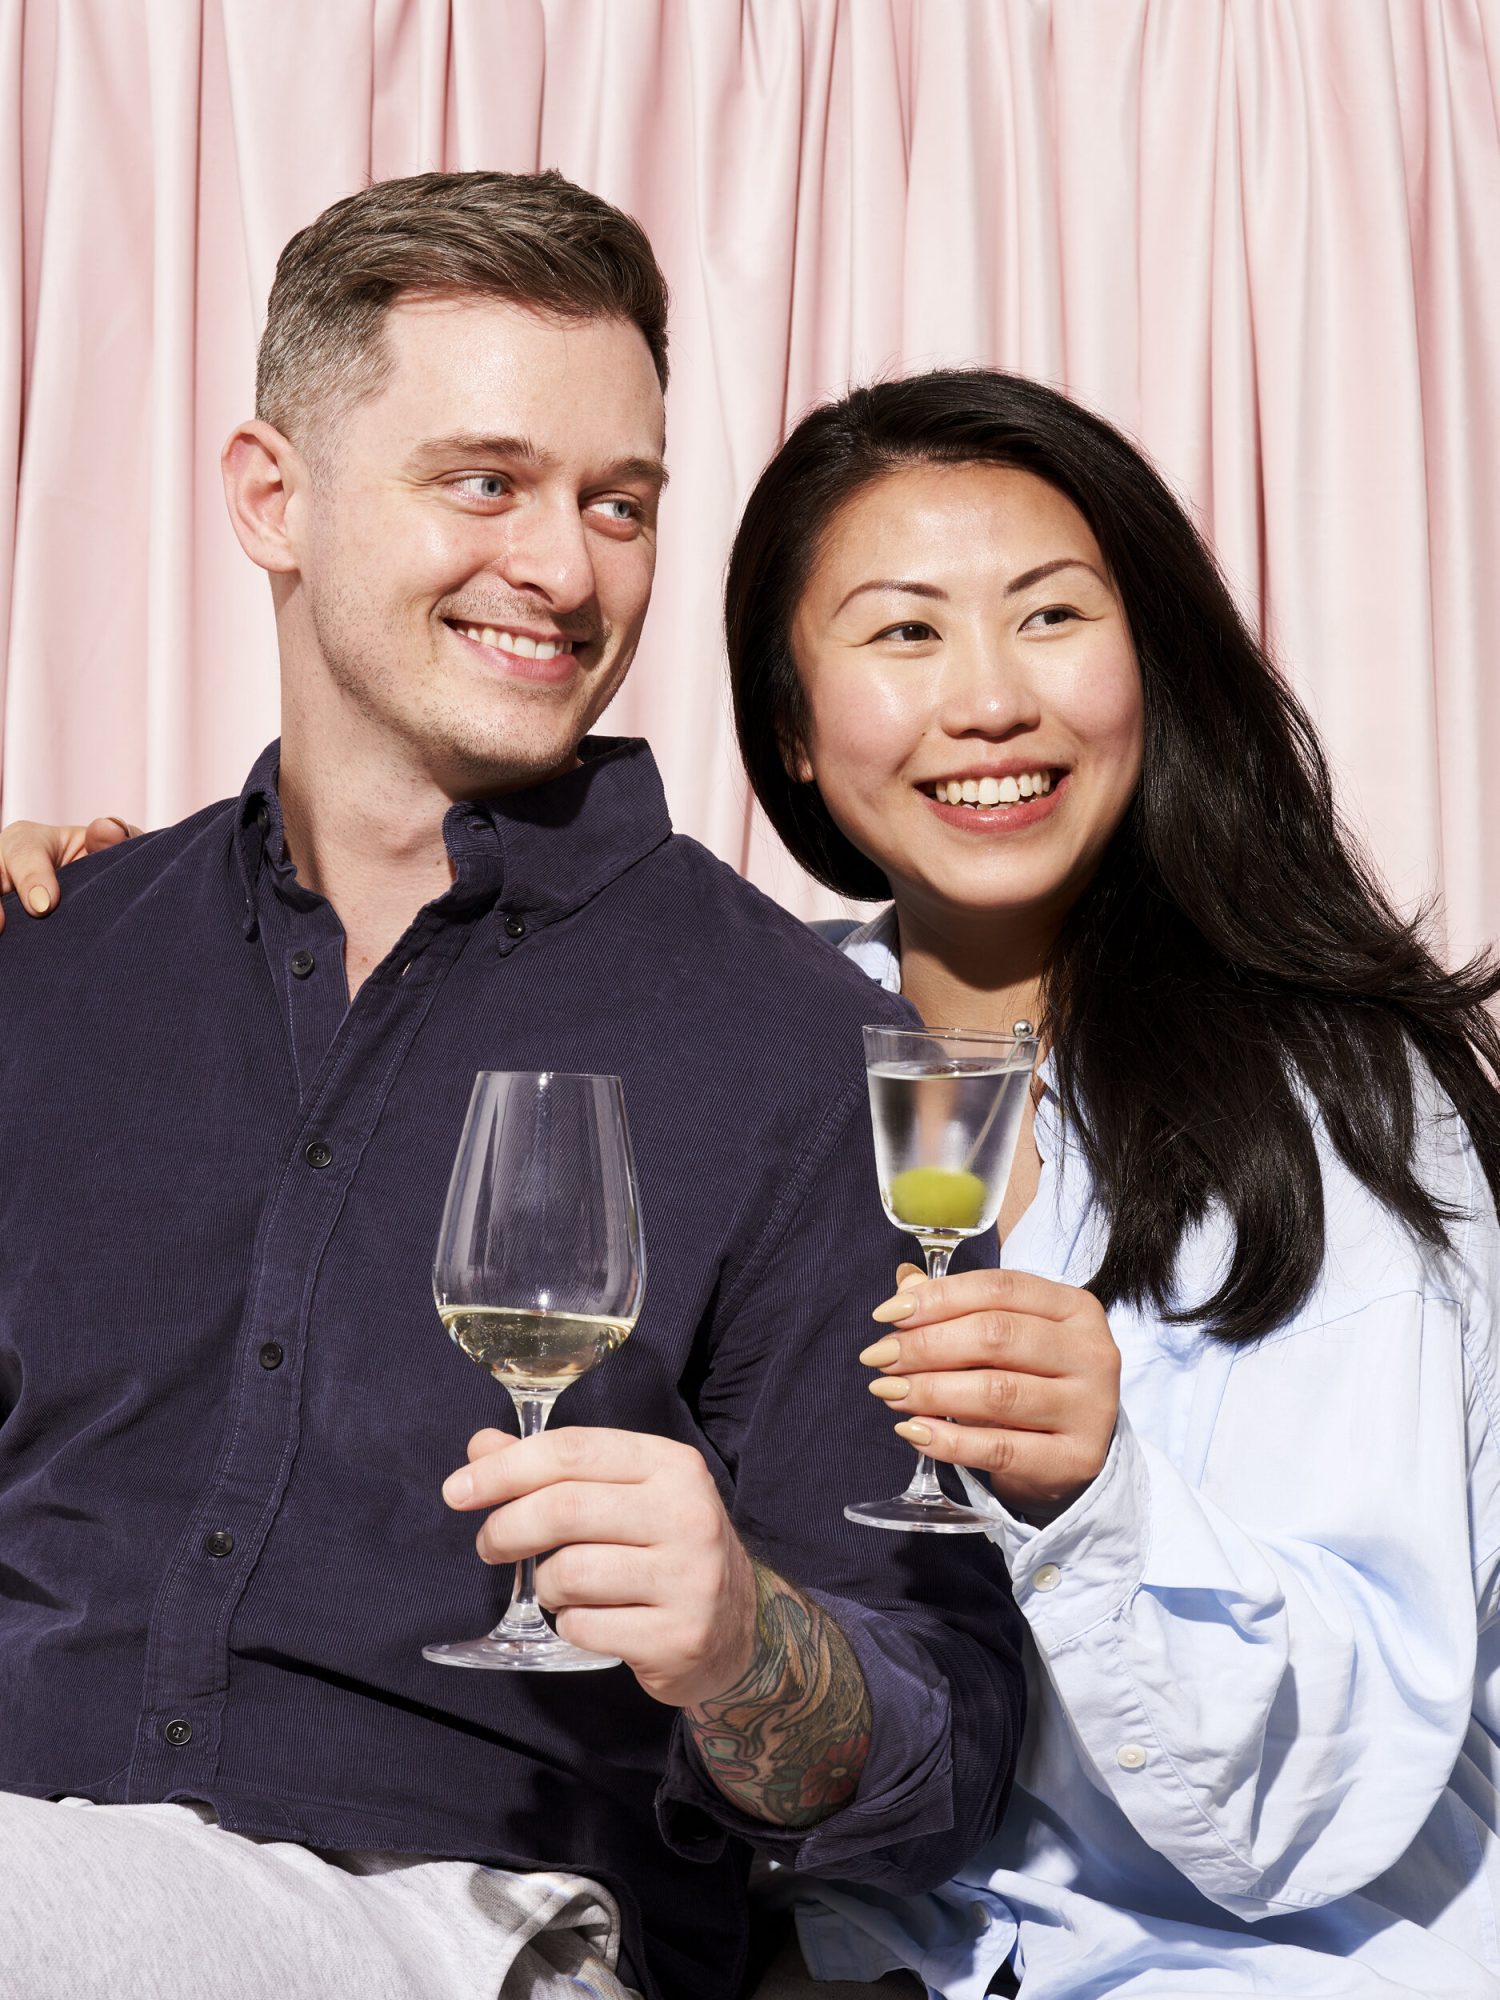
(534, 240)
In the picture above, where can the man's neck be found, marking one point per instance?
(369, 841)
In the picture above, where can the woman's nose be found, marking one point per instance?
(986, 692)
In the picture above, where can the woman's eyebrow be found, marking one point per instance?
(1030, 576)
(907, 589)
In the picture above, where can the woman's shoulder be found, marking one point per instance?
(1371, 1252)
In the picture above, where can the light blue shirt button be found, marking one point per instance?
(1130, 1756)
(1047, 1577)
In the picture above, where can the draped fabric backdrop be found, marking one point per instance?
(1261, 235)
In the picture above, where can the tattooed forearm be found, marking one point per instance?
(788, 1741)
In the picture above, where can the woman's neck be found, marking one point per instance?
(958, 977)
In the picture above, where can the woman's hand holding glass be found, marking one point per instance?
(1024, 1370)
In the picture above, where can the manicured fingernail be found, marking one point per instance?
(881, 1353)
(912, 1279)
(458, 1486)
(913, 1432)
(889, 1388)
(894, 1309)
(40, 901)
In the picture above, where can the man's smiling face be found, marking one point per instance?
(475, 546)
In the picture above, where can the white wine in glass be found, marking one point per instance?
(946, 1104)
(539, 1275)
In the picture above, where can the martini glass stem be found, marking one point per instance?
(924, 1481)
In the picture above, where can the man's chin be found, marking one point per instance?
(470, 770)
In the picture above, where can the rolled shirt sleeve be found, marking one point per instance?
(1270, 1672)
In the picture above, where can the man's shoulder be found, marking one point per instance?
(744, 938)
(98, 890)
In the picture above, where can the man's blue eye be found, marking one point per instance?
(484, 485)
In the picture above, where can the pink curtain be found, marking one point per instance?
(1262, 235)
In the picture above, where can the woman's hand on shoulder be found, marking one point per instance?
(1025, 1369)
(31, 855)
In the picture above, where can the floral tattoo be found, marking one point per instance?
(788, 1741)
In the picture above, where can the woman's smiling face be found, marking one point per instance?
(960, 638)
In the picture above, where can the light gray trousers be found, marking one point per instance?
(159, 1902)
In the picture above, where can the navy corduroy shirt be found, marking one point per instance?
(227, 1403)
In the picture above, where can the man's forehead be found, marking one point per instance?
(480, 367)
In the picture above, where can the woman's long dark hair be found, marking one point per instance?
(1233, 956)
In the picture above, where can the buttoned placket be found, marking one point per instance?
(345, 1059)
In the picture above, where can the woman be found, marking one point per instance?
(1227, 1389)
(1233, 1393)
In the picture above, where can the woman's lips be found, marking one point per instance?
(992, 822)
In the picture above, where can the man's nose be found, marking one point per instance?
(546, 553)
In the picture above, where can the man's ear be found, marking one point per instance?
(264, 474)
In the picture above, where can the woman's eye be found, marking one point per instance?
(1050, 617)
(912, 633)
(483, 486)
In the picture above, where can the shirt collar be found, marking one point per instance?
(875, 947)
(545, 850)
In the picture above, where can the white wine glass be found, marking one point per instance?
(539, 1275)
(946, 1104)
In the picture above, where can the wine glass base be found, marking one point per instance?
(909, 1515)
(523, 1654)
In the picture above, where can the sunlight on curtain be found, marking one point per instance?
(1259, 234)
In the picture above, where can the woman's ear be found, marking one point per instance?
(796, 761)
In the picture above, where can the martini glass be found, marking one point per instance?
(946, 1104)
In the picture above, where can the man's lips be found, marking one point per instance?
(520, 652)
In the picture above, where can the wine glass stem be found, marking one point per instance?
(924, 1481)
(524, 1618)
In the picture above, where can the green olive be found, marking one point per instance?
(937, 1198)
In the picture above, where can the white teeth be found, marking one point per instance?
(517, 643)
(982, 792)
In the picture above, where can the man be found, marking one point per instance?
(234, 1064)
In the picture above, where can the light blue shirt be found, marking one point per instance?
(1265, 1664)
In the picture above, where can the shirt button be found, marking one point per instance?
(1048, 1577)
(178, 1732)
(1130, 1756)
(514, 928)
(318, 1155)
(219, 1543)
(302, 964)
(270, 1355)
